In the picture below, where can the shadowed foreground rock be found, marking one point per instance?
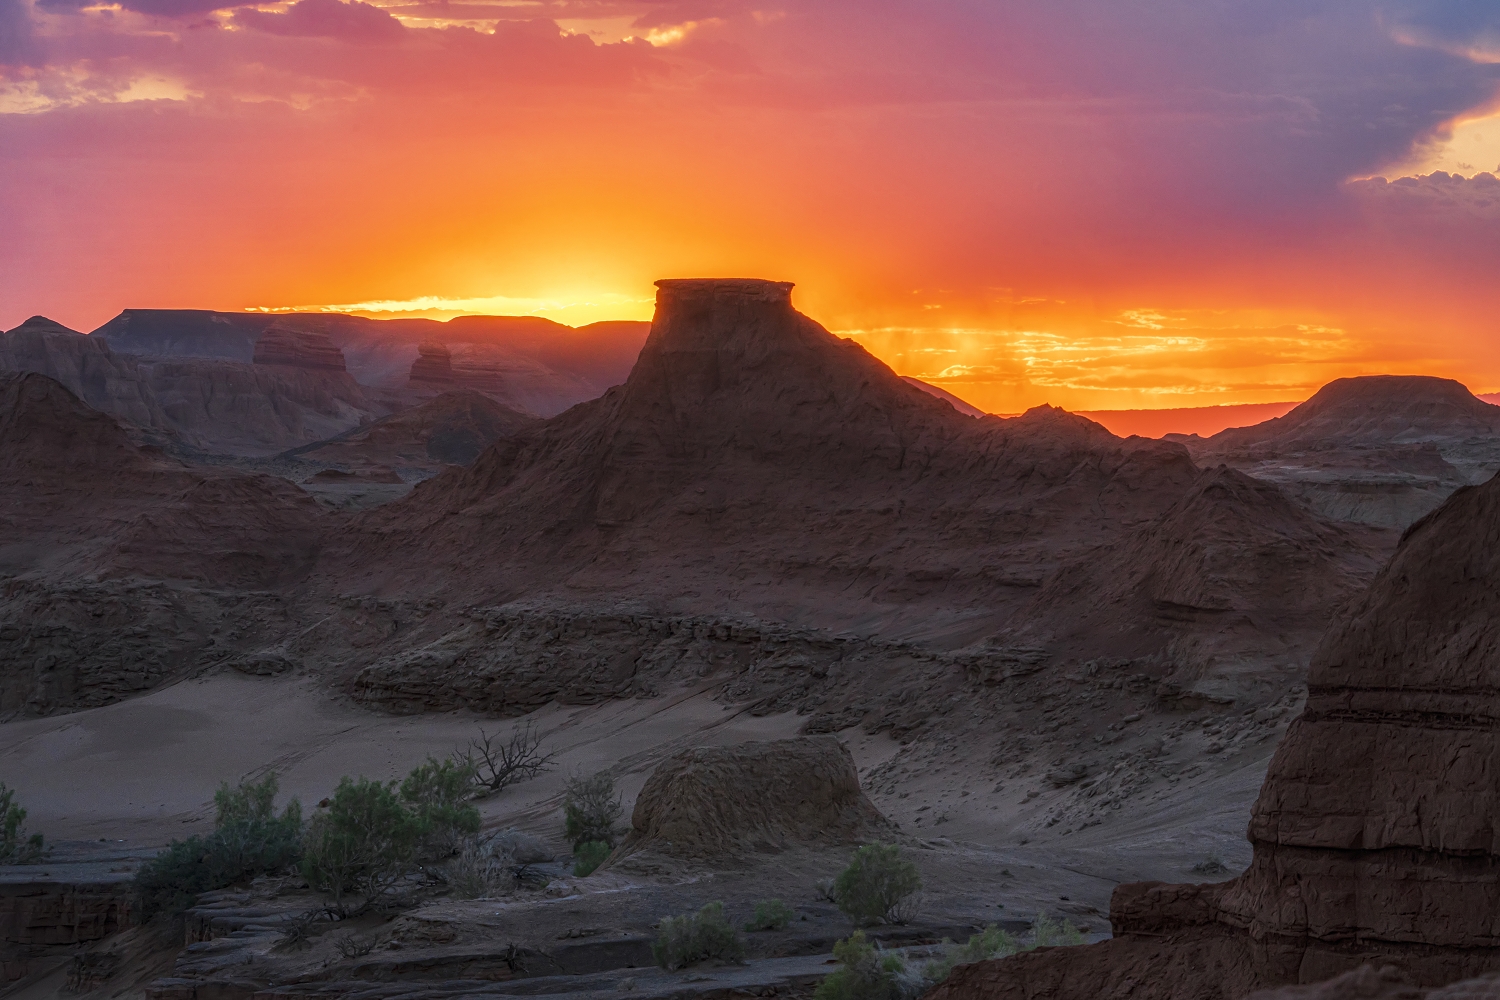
(754, 797)
(1377, 831)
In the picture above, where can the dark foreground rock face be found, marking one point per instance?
(1377, 831)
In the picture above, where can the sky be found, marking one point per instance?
(1099, 204)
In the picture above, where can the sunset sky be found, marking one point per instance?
(1094, 203)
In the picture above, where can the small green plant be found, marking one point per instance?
(696, 937)
(991, 943)
(876, 884)
(592, 810)
(867, 973)
(1049, 933)
(437, 794)
(16, 848)
(249, 840)
(770, 915)
(362, 844)
(589, 856)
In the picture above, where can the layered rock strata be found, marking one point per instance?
(1377, 832)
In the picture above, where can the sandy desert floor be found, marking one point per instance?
(140, 773)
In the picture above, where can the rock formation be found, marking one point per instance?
(450, 429)
(434, 366)
(198, 406)
(1375, 831)
(120, 563)
(280, 345)
(1379, 449)
(752, 451)
(753, 798)
(525, 362)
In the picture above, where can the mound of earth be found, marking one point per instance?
(1374, 834)
(450, 429)
(753, 798)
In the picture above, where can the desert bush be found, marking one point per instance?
(521, 848)
(991, 943)
(249, 840)
(696, 937)
(16, 848)
(770, 915)
(362, 844)
(496, 763)
(867, 973)
(875, 884)
(591, 810)
(436, 793)
(476, 873)
(589, 856)
(353, 945)
(1049, 933)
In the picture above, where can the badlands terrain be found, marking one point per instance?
(1049, 662)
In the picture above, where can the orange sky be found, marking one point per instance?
(1163, 208)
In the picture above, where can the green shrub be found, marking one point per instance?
(1049, 933)
(589, 856)
(16, 848)
(696, 937)
(867, 974)
(875, 884)
(436, 793)
(364, 842)
(992, 943)
(250, 840)
(592, 810)
(770, 915)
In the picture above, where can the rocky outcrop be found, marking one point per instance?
(106, 381)
(1378, 449)
(753, 798)
(191, 406)
(434, 366)
(117, 559)
(1233, 569)
(280, 345)
(526, 362)
(753, 457)
(41, 918)
(449, 429)
(1375, 834)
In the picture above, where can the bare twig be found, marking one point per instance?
(497, 763)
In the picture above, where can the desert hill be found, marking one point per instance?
(1233, 568)
(526, 362)
(1378, 449)
(1372, 411)
(751, 457)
